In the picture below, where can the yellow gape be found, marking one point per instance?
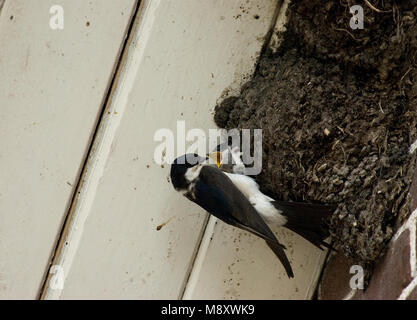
(216, 157)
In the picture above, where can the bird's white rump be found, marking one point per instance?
(261, 202)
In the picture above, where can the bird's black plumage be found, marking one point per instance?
(307, 220)
(216, 193)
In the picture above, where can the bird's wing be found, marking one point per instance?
(217, 194)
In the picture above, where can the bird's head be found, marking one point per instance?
(179, 168)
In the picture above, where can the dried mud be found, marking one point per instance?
(337, 109)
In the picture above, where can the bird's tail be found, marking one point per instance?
(279, 252)
(307, 220)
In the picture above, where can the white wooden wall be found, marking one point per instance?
(94, 214)
(52, 86)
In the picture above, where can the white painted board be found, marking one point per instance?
(235, 264)
(183, 55)
(52, 85)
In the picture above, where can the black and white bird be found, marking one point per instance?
(305, 219)
(237, 200)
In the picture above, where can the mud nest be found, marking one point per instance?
(337, 109)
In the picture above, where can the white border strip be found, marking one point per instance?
(411, 226)
(413, 147)
(350, 295)
(406, 292)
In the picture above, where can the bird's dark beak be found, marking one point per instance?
(216, 157)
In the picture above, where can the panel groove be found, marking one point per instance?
(106, 100)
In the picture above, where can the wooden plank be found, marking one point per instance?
(237, 265)
(232, 264)
(53, 83)
(182, 56)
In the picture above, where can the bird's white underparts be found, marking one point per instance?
(247, 185)
(261, 202)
